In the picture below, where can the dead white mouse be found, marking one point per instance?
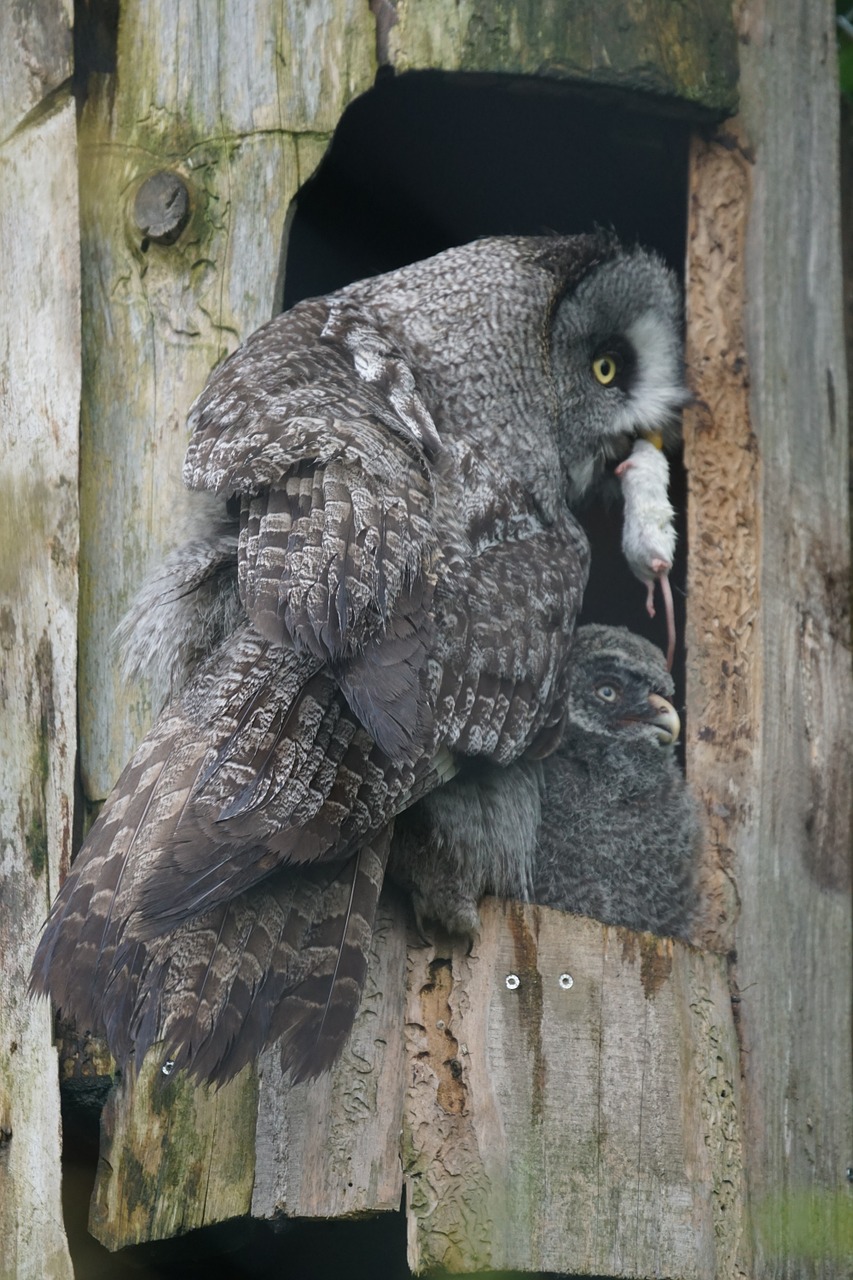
(648, 532)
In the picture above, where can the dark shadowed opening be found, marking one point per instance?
(429, 160)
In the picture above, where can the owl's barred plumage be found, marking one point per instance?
(408, 570)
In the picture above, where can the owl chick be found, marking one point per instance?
(619, 835)
(395, 465)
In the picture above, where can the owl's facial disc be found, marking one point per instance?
(618, 362)
(620, 689)
(656, 392)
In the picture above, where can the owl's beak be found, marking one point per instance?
(664, 717)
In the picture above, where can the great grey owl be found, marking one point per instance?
(398, 460)
(619, 833)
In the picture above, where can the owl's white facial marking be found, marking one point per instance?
(616, 364)
(657, 391)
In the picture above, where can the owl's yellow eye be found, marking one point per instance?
(605, 369)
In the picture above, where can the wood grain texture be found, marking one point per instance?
(795, 946)
(238, 101)
(330, 1148)
(39, 405)
(588, 1129)
(769, 629)
(685, 51)
(36, 43)
(174, 1156)
(724, 515)
(593, 1128)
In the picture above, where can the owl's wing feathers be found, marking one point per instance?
(289, 773)
(286, 957)
(280, 754)
(164, 871)
(504, 638)
(317, 422)
(260, 763)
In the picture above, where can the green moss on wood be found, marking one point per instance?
(685, 51)
(178, 1155)
(36, 842)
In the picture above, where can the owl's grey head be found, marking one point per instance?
(619, 688)
(616, 358)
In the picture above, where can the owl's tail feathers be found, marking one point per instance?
(286, 960)
(316, 1016)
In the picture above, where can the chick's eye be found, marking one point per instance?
(605, 368)
(606, 692)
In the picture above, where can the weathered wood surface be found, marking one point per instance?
(583, 1121)
(684, 51)
(238, 102)
(724, 523)
(769, 681)
(331, 1148)
(39, 407)
(589, 1127)
(174, 1156)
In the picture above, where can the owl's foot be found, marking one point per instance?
(460, 918)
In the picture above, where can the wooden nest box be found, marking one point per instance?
(568, 1097)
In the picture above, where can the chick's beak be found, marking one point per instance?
(664, 717)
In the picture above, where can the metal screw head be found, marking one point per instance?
(513, 981)
(566, 981)
(168, 1067)
(161, 209)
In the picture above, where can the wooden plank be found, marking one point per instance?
(39, 406)
(330, 1148)
(724, 670)
(589, 1128)
(174, 1155)
(236, 101)
(686, 51)
(37, 56)
(795, 950)
(769, 620)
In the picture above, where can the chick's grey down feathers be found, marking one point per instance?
(619, 833)
(408, 577)
(604, 827)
